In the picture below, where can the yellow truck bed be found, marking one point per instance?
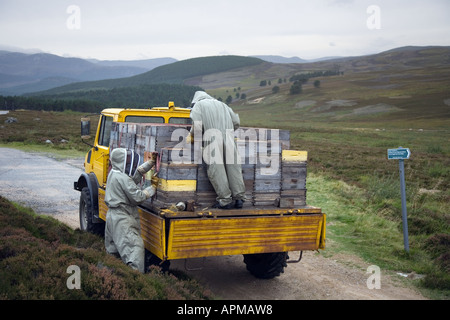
(172, 235)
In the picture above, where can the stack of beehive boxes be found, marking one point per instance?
(273, 175)
(293, 178)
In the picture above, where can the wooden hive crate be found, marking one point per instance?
(293, 181)
(177, 180)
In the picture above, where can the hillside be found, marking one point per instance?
(383, 85)
(174, 73)
(153, 88)
(401, 84)
(393, 81)
(21, 73)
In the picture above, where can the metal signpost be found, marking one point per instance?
(401, 154)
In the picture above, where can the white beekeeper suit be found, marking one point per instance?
(122, 196)
(218, 122)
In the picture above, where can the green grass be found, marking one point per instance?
(49, 150)
(358, 225)
(34, 128)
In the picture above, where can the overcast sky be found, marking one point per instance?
(138, 29)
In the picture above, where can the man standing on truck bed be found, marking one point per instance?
(122, 196)
(218, 122)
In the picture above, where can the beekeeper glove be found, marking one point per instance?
(150, 191)
(147, 166)
(155, 180)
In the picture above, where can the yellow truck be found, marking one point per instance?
(263, 235)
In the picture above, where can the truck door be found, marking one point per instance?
(100, 155)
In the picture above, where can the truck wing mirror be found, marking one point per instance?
(86, 131)
(85, 128)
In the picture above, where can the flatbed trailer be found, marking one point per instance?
(171, 235)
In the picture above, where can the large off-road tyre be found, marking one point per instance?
(86, 214)
(266, 265)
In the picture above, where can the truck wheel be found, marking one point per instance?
(266, 265)
(86, 214)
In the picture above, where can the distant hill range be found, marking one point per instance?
(412, 77)
(147, 65)
(50, 75)
(280, 59)
(174, 73)
(23, 73)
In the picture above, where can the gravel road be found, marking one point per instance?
(41, 183)
(46, 185)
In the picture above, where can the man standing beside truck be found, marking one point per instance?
(122, 196)
(224, 170)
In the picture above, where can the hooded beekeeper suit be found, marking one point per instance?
(217, 122)
(122, 196)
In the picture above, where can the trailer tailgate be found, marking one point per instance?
(193, 238)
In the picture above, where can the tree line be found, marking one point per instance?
(93, 101)
(304, 77)
(299, 79)
(47, 104)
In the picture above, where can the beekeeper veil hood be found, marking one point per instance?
(125, 161)
(200, 95)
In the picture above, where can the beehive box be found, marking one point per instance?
(274, 176)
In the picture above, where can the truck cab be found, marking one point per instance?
(92, 182)
(97, 158)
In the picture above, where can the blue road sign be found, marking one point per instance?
(399, 154)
